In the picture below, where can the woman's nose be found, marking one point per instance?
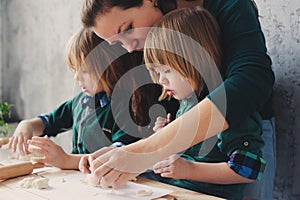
(130, 44)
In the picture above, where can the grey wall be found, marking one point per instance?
(35, 76)
(281, 24)
(1, 45)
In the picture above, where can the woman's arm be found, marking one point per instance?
(117, 166)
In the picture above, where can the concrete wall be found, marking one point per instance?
(281, 24)
(36, 79)
(1, 39)
(34, 71)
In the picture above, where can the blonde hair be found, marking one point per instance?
(190, 60)
(87, 52)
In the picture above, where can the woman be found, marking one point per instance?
(248, 80)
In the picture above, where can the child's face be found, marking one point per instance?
(173, 83)
(87, 84)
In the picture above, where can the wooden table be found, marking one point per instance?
(9, 191)
(178, 193)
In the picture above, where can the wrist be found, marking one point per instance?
(190, 167)
(68, 161)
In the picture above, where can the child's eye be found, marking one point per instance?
(167, 71)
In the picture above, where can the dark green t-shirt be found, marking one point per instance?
(249, 77)
(90, 131)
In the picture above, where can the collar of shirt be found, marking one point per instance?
(100, 99)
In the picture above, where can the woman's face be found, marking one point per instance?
(128, 27)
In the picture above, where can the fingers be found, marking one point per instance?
(93, 180)
(101, 171)
(110, 178)
(40, 145)
(40, 142)
(84, 165)
(124, 178)
(159, 123)
(20, 146)
(39, 159)
(167, 174)
(13, 143)
(165, 166)
(101, 152)
(162, 169)
(168, 118)
(161, 164)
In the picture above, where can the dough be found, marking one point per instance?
(143, 193)
(26, 182)
(36, 182)
(40, 183)
(26, 157)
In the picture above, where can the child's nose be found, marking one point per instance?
(163, 80)
(76, 76)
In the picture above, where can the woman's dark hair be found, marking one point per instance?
(92, 8)
(141, 101)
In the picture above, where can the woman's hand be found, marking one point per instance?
(52, 154)
(161, 122)
(114, 167)
(173, 167)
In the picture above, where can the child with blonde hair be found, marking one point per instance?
(89, 113)
(219, 165)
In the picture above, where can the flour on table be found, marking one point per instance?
(143, 193)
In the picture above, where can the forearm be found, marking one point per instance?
(216, 173)
(36, 125)
(196, 125)
(70, 161)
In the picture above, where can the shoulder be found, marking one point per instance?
(225, 7)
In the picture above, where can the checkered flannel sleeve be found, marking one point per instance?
(247, 164)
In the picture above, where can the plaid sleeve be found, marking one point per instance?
(247, 164)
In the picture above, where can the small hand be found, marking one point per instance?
(161, 122)
(173, 167)
(18, 142)
(84, 164)
(53, 154)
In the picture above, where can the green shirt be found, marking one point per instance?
(246, 136)
(249, 77)
(90, 131)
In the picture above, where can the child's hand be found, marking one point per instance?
(53, 154)
(84, 164)
(161, 122)
(173, 167)
(18, 141)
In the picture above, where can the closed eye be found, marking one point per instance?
(128, 30)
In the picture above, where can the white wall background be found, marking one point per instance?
(35, 77)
